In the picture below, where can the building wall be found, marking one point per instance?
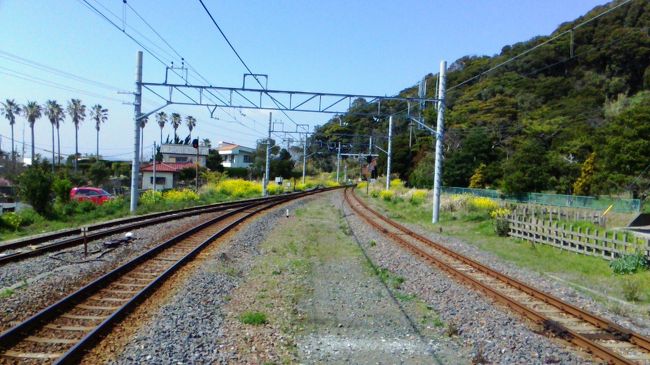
(183, 153)
(236, 160)
(147, 177)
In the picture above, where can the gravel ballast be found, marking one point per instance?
(494, 333)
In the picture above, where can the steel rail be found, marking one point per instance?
(106, 229)
(15, 335)
(615, 331)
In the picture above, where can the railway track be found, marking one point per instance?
(596, 335)
(39, 245)
(64, 331)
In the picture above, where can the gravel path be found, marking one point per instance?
(39, 281)
(496, 335)
(184, 330)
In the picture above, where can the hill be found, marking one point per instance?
(572, 116)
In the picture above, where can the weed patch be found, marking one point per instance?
(253, 318)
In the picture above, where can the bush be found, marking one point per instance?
(85, 207)
(65, 210)
(179, 196)
(396, 184)
(418, 196)
(632, 290)
(28, 217)
(374, 193)
(11, 220)
(482, 204)
(35, 187)
(237, 172)
(61, 188)
(113, 206)
(387, 195)
(301, 187)
(629, 264)
(501, 223)
(239, 188)
(274, 189)
(331, 184)
(362, 185)
(150, 197)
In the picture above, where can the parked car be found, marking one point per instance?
(95, 195)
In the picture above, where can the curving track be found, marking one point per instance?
(63, 332)
(599, 336)
(38, 245)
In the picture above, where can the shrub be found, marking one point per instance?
(64, 210)
(35, 187)
(11, 220)
(28, 217)
(253, 318)
(396, 184)
(239, 188)
(362, 185)
(179, 196)
(501, 223)
(629, 264)
(274, 189)
(85, 207)
(632, 290)
(150, 197)
(113, 206)
(418, 196)
(331, 184)
(387, 195)
(61, 188)
(482, 204)
(213, 177)
(301, 187)
(374, 193)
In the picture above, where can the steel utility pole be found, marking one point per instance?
(304, 159)
(135, 167)
(154, 167)
(198, 148)
(338, 161)
(389, 153)
(267, 163)
(440, 133)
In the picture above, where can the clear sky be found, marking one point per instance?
(365, 47)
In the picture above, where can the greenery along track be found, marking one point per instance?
(37, 245)
(597, 335)
(63, 332)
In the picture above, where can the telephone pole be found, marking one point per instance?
(440, 133)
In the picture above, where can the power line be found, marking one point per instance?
(539, 45)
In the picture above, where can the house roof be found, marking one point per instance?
(225, 147)
(167, 166)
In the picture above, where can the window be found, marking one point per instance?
(248, 158)
(180, 159)
(159, 180)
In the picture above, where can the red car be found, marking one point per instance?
(95, 195)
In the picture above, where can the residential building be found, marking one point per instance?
(167, 174)
(181, 153)
(234, 155)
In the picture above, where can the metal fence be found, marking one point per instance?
(558, 200)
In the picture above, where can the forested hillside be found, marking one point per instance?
(570, 117)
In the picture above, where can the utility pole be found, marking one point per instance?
(137, 108)
(154, 167)
(267, 163)
(345, 173)
(389, 154)
(440, 133)
(338, 161)
(304, 159)
(198, 147)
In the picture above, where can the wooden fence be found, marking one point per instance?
(595, 242)
(558, 214)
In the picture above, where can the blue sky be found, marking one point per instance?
(363, 47)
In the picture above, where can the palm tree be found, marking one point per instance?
(77, 112)
(100, 115)
(191, 123)
(161, 118)
(143, 122)
(54, 113)
(10, 109)
(176, 122)
(32, 111)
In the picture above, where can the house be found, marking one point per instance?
(180, 153)
(234, 155)
(166, 174)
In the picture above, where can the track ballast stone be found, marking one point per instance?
(498, 336)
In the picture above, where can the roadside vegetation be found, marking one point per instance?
(476, 221)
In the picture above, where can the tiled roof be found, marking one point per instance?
(228, 147)
(168, 166)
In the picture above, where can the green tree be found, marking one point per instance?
(176, 122)
(35, 186)
(582, 186)
(190, 121)
(77, 112)
(161, 118)
(54, 112)
(100, 115)
(527, 170)
(214, 161)
(10, 109)
(462, 162)
(478, 179)
(98, 173)
(32, 111)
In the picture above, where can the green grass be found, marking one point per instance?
(253, 318)
(590, 272)
(6, 293)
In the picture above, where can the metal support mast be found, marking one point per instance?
(338, 161)
(135, 167)
(267, 163)
(389, 153)
(440, 133)
(304, 159)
